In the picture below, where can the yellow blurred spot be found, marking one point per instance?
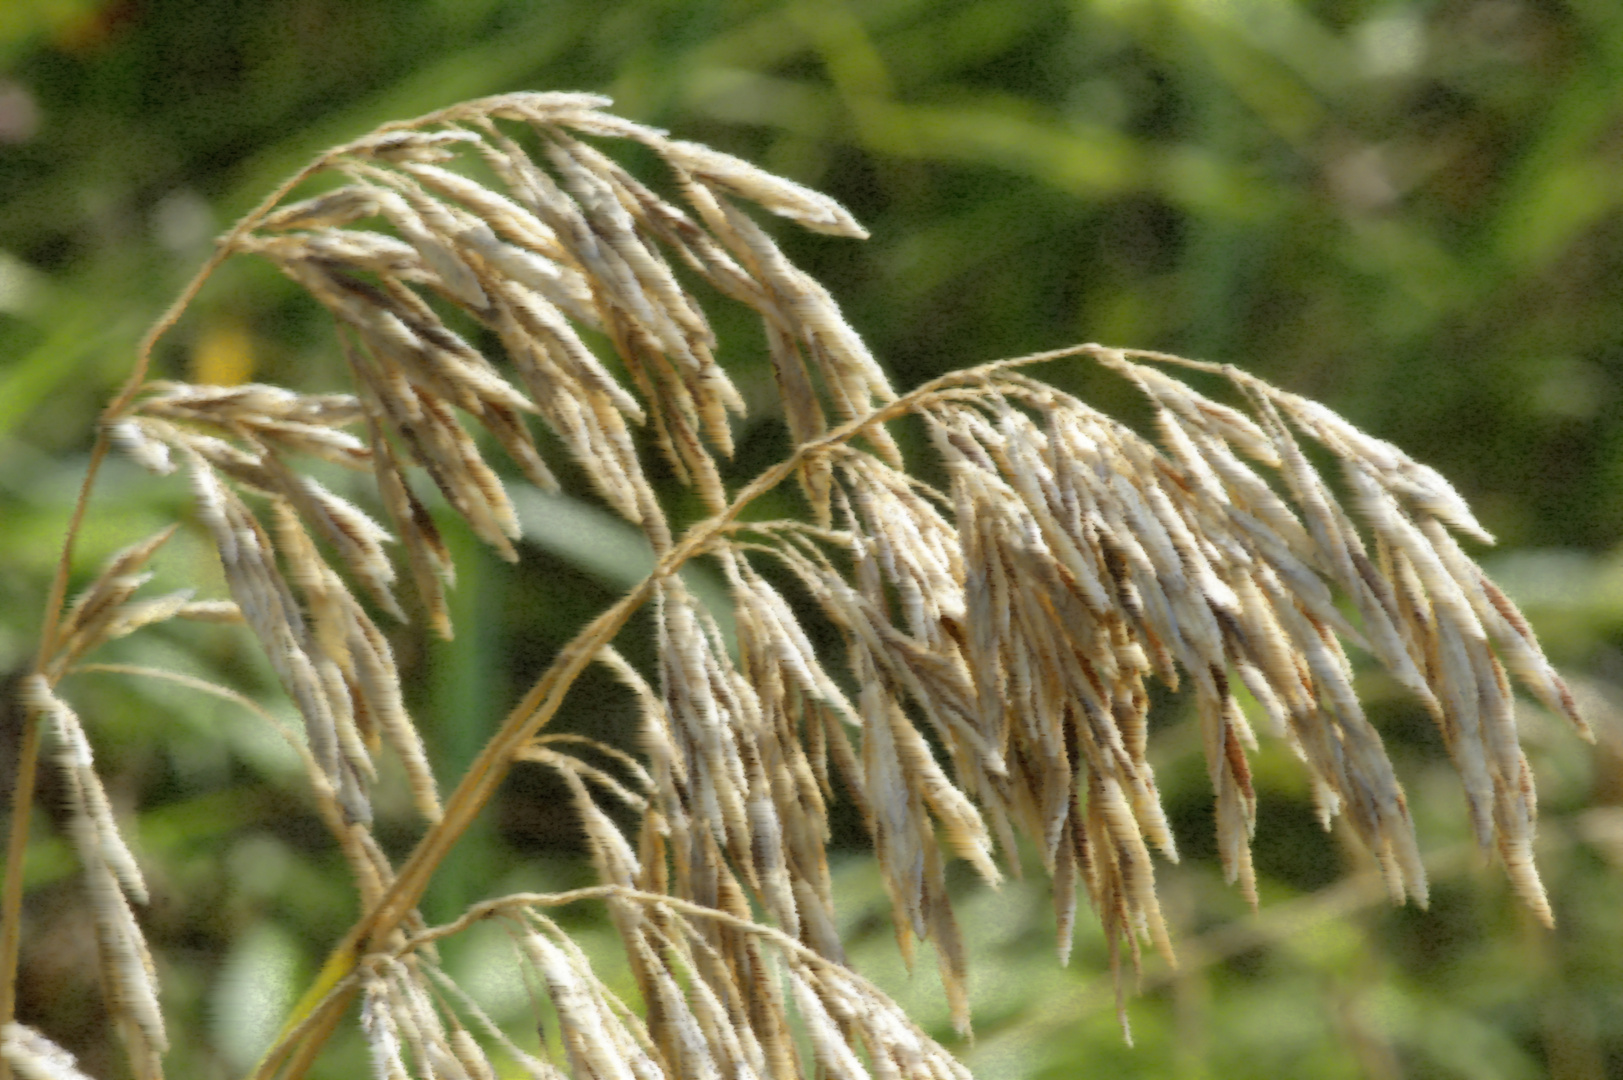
(76, 26)
(223, 355)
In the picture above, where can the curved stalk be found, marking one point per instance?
(317, 1014)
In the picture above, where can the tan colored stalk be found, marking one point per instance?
(314, 1020)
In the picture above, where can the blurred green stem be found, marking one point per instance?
(465, 688)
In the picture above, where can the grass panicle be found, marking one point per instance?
(492, 273)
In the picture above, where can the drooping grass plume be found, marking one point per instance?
(491, 271)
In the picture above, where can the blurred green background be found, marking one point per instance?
(1407, 209)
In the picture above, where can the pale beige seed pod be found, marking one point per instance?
(381, 1031)
(100, 840)
(331, 209)
(34, 1057)
(783, 197)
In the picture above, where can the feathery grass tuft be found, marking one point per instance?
(996, 636)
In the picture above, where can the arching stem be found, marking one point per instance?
(317, 1014)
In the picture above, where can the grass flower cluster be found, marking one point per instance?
(968, 662)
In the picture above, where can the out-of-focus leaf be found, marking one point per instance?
(252, 991)
(608, 548)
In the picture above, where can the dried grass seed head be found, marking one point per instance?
(999, 635)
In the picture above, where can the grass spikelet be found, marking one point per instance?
(112, 880)
(35, 1057)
